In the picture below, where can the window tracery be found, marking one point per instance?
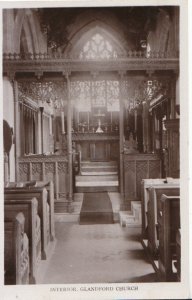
(98, 47)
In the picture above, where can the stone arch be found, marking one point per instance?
(79, 40)
(23, 22)
(88, 21)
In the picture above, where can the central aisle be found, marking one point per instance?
(97, 254)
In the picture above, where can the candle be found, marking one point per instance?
(62, 122)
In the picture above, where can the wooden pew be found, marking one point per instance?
(178, 254)
(145, 185)
(169, 223)
(43, 211)
(32, 229)
(153, 206)
(16, 249)
(50, 190)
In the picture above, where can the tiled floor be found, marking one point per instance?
(97, 254)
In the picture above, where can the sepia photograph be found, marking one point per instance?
(95, 110)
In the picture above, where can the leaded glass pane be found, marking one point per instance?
(99, 93)
(98, 48)
(81, 95)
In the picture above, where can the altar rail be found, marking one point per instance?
(136, 168)
(46, 168)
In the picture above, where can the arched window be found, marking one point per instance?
(98, 47)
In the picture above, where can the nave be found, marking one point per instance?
(99, 253)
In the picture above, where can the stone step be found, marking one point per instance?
(98, 164)
(99, 168)
(96, 178)
(136, 210)
(93, 189)
(62, 206)
(131, 218)
(100, 173)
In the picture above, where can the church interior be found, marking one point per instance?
(91, 122)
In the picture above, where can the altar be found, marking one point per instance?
(97, 146)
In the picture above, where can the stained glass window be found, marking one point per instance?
(98, 48)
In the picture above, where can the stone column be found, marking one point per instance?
(121, 131)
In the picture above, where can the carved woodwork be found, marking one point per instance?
(46, 168)
(16, 251)
(45, 63)
(178, 254)
(94, 137)
(136, 168)
(50, 190)
(50, 199)
(173, 168)
(169, 224)
(32, 229)
(145, 185)
(153, 208)
(41, 195)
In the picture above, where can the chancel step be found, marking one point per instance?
(62, 206)
(99, 168)
(97, 176)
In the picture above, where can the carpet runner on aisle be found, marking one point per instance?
(96, 209)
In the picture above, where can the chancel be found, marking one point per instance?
(91, 145)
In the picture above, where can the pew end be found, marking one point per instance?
(32, 227)
(169, 224)
(16, 265)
